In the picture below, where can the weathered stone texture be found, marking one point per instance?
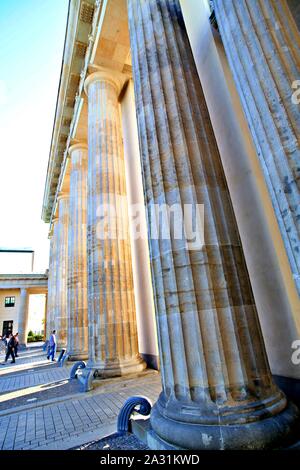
(262, 44)
(77, 255)
(51, 289)
(113, 344)
(60, 318)
(295, 9)
(214, 366)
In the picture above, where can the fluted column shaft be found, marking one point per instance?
(214, 366)
(113, 345)
(262, 44)
(51, 284)
(50, 280)
(23, 317)
(46, 316)
(54, 267)
(77, 255)
(61, 315)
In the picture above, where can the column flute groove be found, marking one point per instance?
(61, 310)
(77, 255)
(262, 44)
(55, 267)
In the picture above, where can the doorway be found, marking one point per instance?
(7, 327)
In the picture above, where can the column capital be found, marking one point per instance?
(115, 78)
(78, 146)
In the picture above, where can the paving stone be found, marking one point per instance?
(58, 424)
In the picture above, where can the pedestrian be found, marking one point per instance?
(11, 349)
(17, 344)
(52, 346)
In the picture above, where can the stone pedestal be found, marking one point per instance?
(77, 256)
(23, 317)
(61, 240)
(262, 44)
(218, 392)
(113, 346)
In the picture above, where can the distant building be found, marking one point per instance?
(17, 283)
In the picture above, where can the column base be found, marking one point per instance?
(271, 432)
(77, 356)
(116, 369)
(101, 371)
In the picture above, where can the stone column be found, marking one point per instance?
(45, 316)
(53, 269)
(77, 255)
(217, 392)
(113, 346)
(51, 283)
(23, 317)
(262, 44)
(61, 315)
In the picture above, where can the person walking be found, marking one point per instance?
(11, 349)
(17, 344)
(52, 346)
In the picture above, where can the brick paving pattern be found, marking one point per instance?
(44, 424)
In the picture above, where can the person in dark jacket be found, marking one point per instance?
(11, 349)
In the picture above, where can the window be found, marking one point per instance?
(9, 301)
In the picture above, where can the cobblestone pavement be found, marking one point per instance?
(40, 408)
(24, 379)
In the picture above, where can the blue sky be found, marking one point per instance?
(32, 39)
